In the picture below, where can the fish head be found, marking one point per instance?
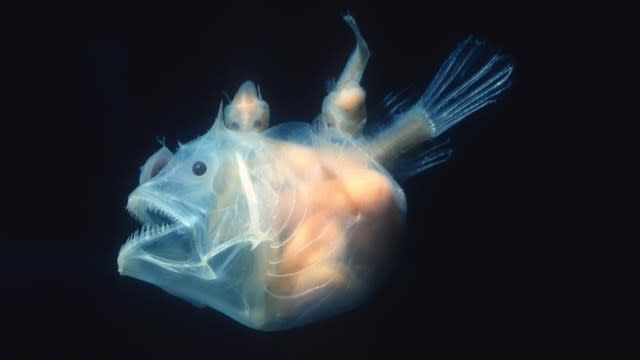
(171, 202)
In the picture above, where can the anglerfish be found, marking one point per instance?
(281, 226)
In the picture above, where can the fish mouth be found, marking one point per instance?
(165, 236)
(155, 218)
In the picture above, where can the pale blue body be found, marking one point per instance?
(217, 214)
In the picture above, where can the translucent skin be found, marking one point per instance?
(289, 232)
(337, 217)
(279, 227)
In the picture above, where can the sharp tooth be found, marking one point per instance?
(144, 211)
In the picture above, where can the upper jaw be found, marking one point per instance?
(151, 211)
(158, 217)
(155, 208)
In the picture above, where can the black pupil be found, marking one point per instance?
(199, 168)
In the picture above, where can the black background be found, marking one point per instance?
(498, 238)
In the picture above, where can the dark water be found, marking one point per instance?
(497, 237)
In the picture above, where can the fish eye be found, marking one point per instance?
(234, 125)
(199, 168)
(257, 124)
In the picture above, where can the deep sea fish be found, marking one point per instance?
(280, 226)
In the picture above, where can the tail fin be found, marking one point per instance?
(472, 77)
(417, 161)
